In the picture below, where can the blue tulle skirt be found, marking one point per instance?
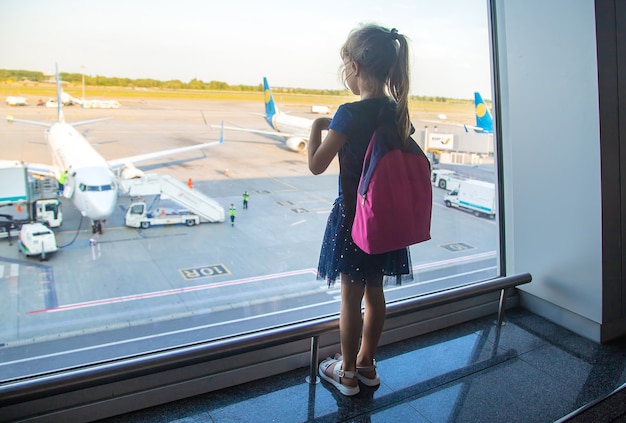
(339, 254)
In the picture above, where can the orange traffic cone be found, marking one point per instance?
(18, 208)
(162, 212)
(190, 183)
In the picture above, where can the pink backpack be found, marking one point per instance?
(394, 199)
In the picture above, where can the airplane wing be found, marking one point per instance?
(465, 126)
(258, 131)
(473, 128)
(86, 122)
(51, 171)
(117, 163)
(11, 119)
(441, 122)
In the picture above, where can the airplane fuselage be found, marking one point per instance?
(90, 183)
(291, 124)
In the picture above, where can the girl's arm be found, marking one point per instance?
(322, 153)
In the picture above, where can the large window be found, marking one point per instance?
(168, 283)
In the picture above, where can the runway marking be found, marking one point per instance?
(193, 273)
(298, 222)
(207, 286)
(487, 254)
(457, 246)
(174, 291)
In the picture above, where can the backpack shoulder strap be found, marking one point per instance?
(384, 139)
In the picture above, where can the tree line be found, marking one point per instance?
(13, 76)
(16, 76)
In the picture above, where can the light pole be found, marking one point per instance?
(82, 67)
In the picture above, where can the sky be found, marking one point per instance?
(293, 44)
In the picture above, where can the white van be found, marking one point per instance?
(478, 197)
(36, 239)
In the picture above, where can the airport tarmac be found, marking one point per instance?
(164, 286)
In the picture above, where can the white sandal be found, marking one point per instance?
(375, 381)
(337, 374)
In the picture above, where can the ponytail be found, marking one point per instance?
(399, 87)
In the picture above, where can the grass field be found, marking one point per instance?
(35, 91)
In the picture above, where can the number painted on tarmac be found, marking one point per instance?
(193, 273)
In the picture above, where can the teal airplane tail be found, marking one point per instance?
(270, 107)
(484, 120)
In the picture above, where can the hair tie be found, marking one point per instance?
(393, 34)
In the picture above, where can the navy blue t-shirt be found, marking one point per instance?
(357, 121)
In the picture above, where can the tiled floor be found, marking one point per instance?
(531, 371)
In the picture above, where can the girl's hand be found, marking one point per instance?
(321, 124)
(322, 153)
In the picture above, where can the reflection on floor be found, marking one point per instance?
(531, 371)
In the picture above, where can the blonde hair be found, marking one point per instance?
(383, 57)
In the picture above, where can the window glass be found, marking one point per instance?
(176, 76)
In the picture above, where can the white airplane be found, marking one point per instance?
(295, 130)
(91, 181)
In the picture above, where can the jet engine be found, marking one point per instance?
(130, 172)
(296, 144)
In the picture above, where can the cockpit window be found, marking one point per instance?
(92, 188)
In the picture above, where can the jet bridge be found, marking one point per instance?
(170, 188)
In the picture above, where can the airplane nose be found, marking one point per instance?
(102, 206)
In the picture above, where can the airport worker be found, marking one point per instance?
(62, 180)
(376, 68)
(246, 197)
(232, 212)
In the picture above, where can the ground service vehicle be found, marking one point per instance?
(476, 196)
(16, 101)
(48, 211)
(138, 216)
(165, 187)
(14, 183)
(445, 179)
(8, 226)
(36, 239)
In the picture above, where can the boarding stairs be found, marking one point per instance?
(172, 189)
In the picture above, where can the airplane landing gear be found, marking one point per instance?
(96, 227)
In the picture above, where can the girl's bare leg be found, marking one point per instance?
(350, 325)
(373, 322)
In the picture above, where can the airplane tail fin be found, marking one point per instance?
(270, 107)
(60, 116)
(484, 120)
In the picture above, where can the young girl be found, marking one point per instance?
(375, 67)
